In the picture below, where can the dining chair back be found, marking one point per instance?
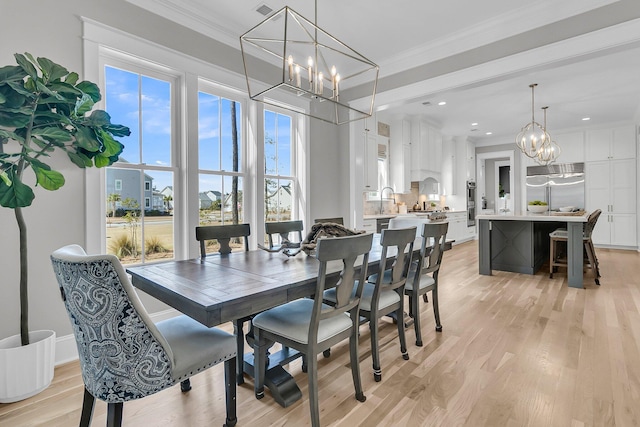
(384, 293)
(336, 220)
(310, 326)
(283, 230)
(223, 234)
(423, 276)
(123, 354)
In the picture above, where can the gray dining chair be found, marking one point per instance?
(223, 234)
(423, 275)
(123, 355)
(284, 230)
(310, 326)
(385, 295)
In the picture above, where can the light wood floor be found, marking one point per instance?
(516, 350)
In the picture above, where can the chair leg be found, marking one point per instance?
(401, 334)
(416, 319)
(375, 352)
(592, 262)
(259, 362)
(355, 364)
(238, 329)
(114, 414)
(230, 391)
(551, 258)
(185, 385)
(312, 373)
(436, 309)
(88, 403)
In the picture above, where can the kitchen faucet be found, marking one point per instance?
(381, 192)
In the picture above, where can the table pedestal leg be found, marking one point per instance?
(283, 387)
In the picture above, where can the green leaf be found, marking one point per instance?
(111, 146)
(16, 195)
(48, 179)
(102, 161)
(11, 73)
(117, 130)
(26, 65)
(65, 88)
(10, 135)
(53, 133)
(11, 120)
(15, 93)
(99, 118)
(44, 89)
(51, 69)
(90, 89)
(86, 138)
(83, 105)
(80, 159)
(72, 78)
(5, 178)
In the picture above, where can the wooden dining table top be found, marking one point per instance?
(221, 288)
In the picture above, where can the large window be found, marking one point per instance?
(139, 187)
(279, 179)
(220, 159)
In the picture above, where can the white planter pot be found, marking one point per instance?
(26, 370)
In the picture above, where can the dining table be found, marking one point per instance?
(224, 287)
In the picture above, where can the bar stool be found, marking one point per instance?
(556, 259)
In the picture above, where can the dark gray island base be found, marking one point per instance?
(520, 243)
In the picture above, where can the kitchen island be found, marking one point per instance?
(520, 243)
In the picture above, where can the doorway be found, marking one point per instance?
(502, 194)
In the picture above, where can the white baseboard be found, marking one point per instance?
(67, 351)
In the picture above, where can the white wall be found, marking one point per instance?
(53, 29)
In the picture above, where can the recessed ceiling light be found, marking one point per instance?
(584, 119)
(442, 103)
(489, 133)
(474, 124)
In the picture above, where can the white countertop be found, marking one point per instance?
(535, 217)
(409, 214)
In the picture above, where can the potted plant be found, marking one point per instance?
(43, 107)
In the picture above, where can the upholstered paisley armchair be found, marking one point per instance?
(123, 354)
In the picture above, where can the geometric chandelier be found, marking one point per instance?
(287, 56)
(532, 137)
(550, 151)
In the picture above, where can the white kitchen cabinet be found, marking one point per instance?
(615, 230)
(370, 167)
(458, 229)
(611, 144)
(426, 151)
(400, 156)
(611, 186)
(369, 225)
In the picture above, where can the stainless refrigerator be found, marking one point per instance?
(560, 185)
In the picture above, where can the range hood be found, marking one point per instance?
(429, 185)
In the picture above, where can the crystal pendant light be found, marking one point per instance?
(532, 136)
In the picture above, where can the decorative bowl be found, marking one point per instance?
(537, 208)
(567, 209)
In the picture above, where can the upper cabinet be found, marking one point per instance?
(571, 147)
(400, 156)
(611, 144)
(426, 151)
(370, 161)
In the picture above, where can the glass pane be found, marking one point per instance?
(270, 135)
(278, 199)
(158, 219)
(232, 202)
(284, 145)
(121, 102)
(156, 121)
(123, 214)
(208, 131)
(231, 143)
(210, 199)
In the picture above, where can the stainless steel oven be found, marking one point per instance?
(471, 203)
